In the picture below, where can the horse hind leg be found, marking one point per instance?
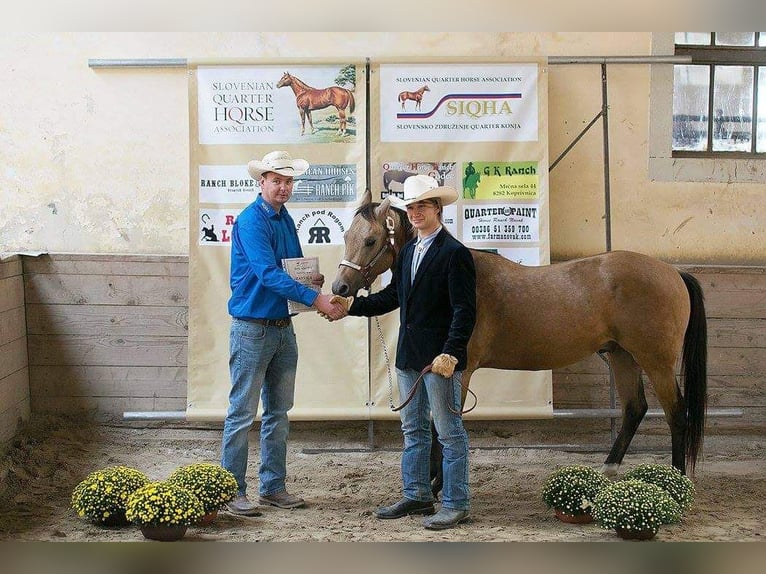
(342, 122)
(673, 404)
(630, 388)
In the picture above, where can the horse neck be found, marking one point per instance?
(298, 86)
(421, 91)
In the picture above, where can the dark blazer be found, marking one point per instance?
(437, 312)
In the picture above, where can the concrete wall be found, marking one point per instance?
(14, 370)
(96, 161)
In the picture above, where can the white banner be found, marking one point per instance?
(501, 223)
(458, 102)
(276, 104)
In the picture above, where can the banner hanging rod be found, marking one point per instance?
(553, 60)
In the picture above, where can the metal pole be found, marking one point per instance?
(554, 60)
(608, 224)
(557, 413)
(138, 63)
(619, 60)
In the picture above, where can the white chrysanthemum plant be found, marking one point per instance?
(571, 490)
(677, 485)
(635, 509)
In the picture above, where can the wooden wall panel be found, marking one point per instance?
(114, 319)
(14, 371)
(108, 334)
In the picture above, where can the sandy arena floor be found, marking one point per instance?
(46, 461)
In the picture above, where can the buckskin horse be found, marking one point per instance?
(308, 99)
(640, 313)
(417, 96)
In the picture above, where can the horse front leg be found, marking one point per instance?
(437, 473)
(303, 119)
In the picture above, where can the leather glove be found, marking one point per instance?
(345, 302)
(444, 365)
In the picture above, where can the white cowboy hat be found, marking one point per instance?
(420, 187)
(279, 162)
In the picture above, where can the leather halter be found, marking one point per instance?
(387, 247)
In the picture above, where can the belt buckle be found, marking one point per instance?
(281, 323)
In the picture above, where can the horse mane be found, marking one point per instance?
(367, 211)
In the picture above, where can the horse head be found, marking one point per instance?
(426, 88)
(372, 243)
(286, 80)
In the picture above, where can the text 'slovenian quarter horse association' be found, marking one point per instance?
(642, 313)
(308, 99)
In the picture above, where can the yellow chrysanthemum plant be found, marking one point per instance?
(211, 483)
(163, 504)
(102, 496)
(571, 490)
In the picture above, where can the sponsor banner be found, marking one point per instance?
(226, 184)
(322, 226)
(458, 102)
(511, 180)
(326, 183)
(449, 218)
(395, 172)
(215, 226)
(522, 255)
(271, 104)
(501, 223)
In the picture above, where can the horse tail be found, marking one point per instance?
(351, 101)
(694, 371)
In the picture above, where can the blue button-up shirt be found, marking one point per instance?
(260, 239)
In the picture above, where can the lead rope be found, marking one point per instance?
(388, 366)
(426, 369)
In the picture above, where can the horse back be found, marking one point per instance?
(551, 316)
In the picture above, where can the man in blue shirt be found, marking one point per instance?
(263, 349)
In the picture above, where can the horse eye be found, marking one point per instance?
(369, 242)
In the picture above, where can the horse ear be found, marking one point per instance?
(366, 198)
(382, 210)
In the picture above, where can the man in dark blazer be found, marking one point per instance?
(434, 287)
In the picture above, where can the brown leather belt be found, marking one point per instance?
(271, 322)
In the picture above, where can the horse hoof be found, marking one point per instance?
(610, 469)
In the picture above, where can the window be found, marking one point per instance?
(719, 100)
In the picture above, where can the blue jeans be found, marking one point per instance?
(262, 364)
(434, 394)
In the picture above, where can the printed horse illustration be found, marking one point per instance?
(640, 313)
(393, 175)
(417, 96)
(471, 182)
(308, 99)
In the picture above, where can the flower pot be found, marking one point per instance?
(574, 518)
(114, 519)
(168, 533)
(632, 534)
(208, 518)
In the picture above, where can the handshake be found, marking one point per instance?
(333, 307)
